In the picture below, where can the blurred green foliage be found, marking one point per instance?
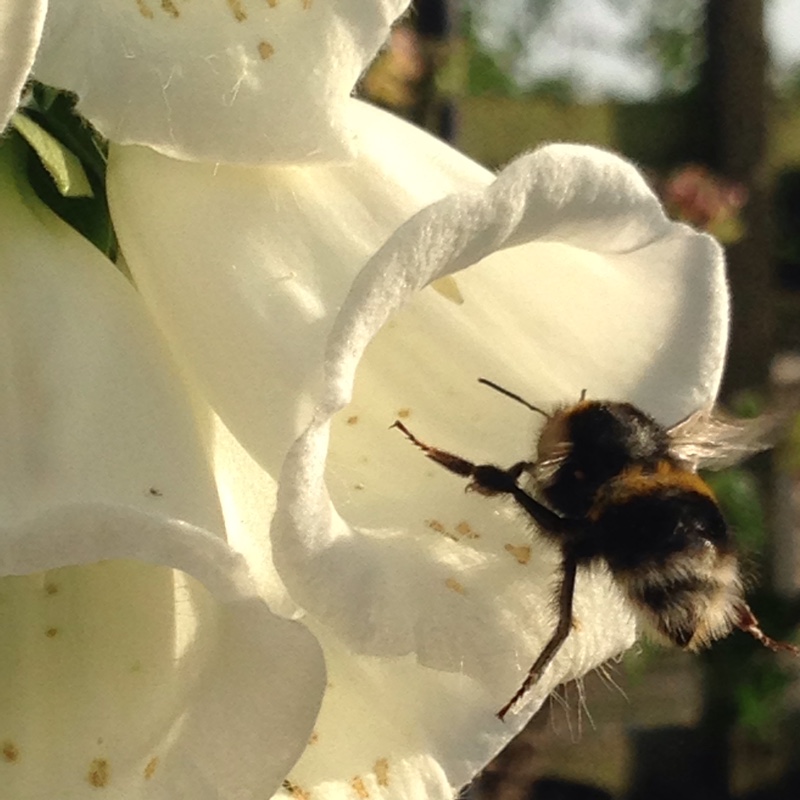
(739, 493)
(485, 74)
(738, 668)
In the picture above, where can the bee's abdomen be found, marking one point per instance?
(663, 536)
(688, 609)
(642, 520)
(672, 607)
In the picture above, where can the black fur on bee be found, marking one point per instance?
(611, 484)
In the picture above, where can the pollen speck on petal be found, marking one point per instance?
(381, 769)
(169, 7)
(99, 773)
(10, 752)
(239, 14)
(150, 768)
(296, 791)
(464, 529)
(522, 553)
(144, 9)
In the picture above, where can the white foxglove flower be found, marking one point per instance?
(564, 274)
(235, 81)
(157, 669)
(21, 23)
(138, 656)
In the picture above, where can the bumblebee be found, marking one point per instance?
(611, 484)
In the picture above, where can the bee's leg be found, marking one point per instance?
(487, 479)
(566, 592)
(749, 624)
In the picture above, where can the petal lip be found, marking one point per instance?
(21, 25)
(203, 555)
(268, 674)
(203, 80)
(575, 194)
(586, 198)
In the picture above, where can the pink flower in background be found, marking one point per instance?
(706, 200)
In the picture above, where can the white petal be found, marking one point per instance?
(137, 654)
(581, 283)
(247, 493)
(138, 660)
(245, 81)
(417, 732)
(246, 268)
(446, 593)
(89, 407)
(21, 23)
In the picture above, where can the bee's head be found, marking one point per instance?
(583, 446)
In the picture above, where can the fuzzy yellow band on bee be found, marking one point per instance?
(638, 480)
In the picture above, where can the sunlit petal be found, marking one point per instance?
(245, 268)
(137, 654)
(242, 81)
(137, 659)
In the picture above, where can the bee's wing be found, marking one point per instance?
(712, 439)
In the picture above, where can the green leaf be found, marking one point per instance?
(54, 110)
(44, 97)
(63, 166)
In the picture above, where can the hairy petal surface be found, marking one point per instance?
(572, 279)
(21, 23)
(243, 81)
(245, 268)
(138, 656)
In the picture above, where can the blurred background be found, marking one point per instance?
(704, 95)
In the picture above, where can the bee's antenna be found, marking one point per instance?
(513, 396)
